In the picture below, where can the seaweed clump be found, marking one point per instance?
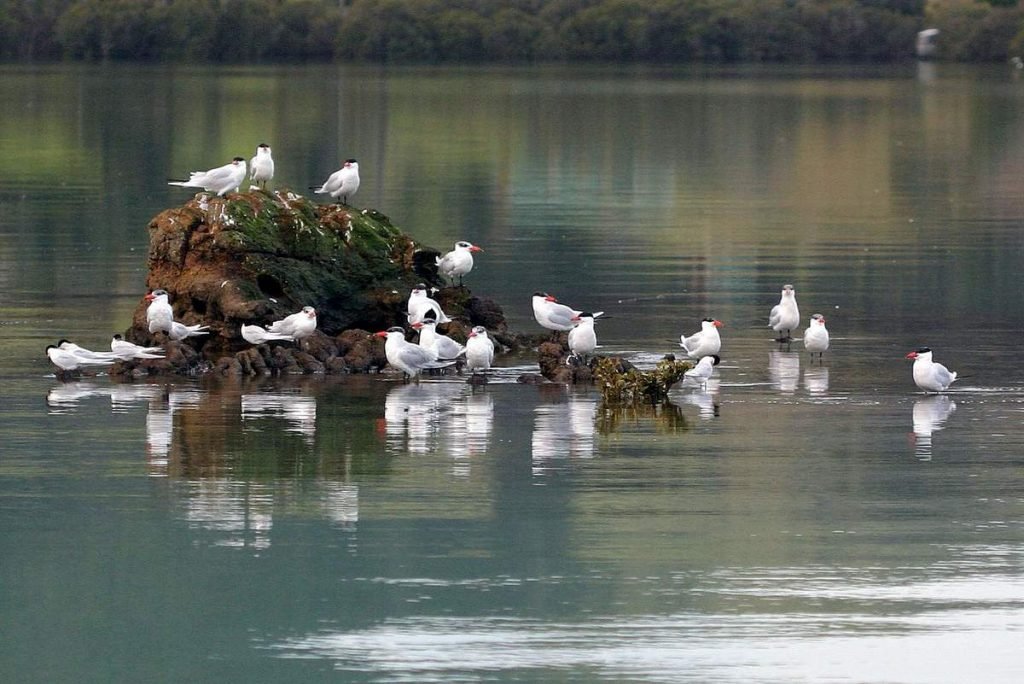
(630, 386)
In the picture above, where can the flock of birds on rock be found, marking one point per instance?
(423, 313)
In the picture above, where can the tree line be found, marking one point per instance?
(504, 31)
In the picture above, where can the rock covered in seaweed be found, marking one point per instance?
(257, 257)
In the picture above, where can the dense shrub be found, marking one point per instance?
(513, 31)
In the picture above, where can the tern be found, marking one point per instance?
(67, 360)
(261, 168)
(704, 342)
(254, 334)
(420, 305)
(702, 372)
(298, 325)
(816, 336)
(785, 316)
(126, 351)
(479, 350)
(928, 375)
(86, 354)
(221, 180)
(582, 338)
(341, 184)
(457, 262)
(443, 346)
(407, 357)
(554, 316)
(160, 318)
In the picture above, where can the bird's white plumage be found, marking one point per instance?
(816, 335)
(929, 375)
(784, 317)
(409, 358)
(126, 351)
(221, 180)
(420, 306)
(704, 369)
(343, 183)
(550, 314)
(704, 342)
(159, 314)
(457, 262)
(261, 167)
(583, 338)
(443, 346)
(68, 360)
(254, 334)
(479, 350)
(299, 325)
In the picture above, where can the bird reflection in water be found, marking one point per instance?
(564, 428)
(784, 370)
(930, 415)
(236, 513)
(704, 397)
(421, 418)
(468, 429)
(816, 380)
(298, 411)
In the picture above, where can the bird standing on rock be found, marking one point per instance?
(420, 306)
(785, 316)
(126, 351)
(457, 262)
(582, 338)
(254, 334)
(221, 180)
(341, 184)
(160, 318)
(550, 314)
(407, 357)
(261, 168)
(298, 326)
(442, 345)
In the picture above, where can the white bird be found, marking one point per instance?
(704, 342)
(299, 325)
(86, 354)
(220, 180)
(160, 318)
(407, 357)
(68, 360)
(261, 168)
(816, 336)
(159, 314)
(443, 346)
(479, 350)
(343, 183)
(552, 315)
(785, 316)
(457, 262)
(254, 334)
(582, 338)
(126, 351)
(928, 375)
(702, 372)
(420, 305)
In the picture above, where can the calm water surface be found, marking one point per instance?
(793, 521)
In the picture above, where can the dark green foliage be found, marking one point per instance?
(503, 31)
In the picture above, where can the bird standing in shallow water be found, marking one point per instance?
(816, 336)
(785, 316)
(929, 375)
(479, 350)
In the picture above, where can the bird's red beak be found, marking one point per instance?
(575, 318)
(149, 297)
(474, 248)
(718, 324)
(382, 333)
(912, 355)
(472, 333)
(549, 298)
(311, 314)
(417, 326)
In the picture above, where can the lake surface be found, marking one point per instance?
(793, 521)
